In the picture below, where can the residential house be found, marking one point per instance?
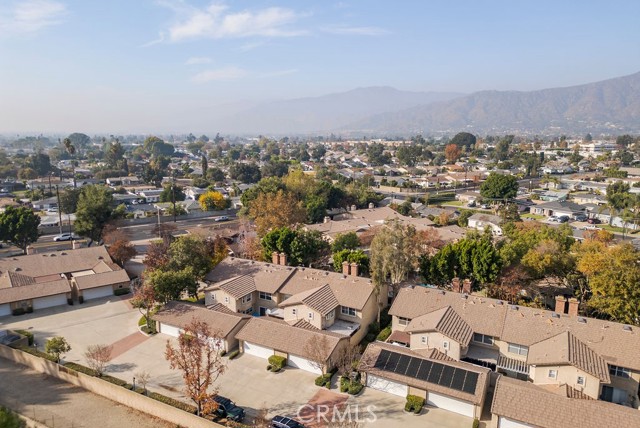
(559, 208)
(468, 197)
(341, 303)
(588, 198)
(39, 281)
(45, 204)
(223, 323)
(482, 221)
(123, 181)
(151, 196)
(595, 357)
(554, 195)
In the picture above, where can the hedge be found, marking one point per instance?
(121, 291)
(27, 334)
(80, 368)
(384, 334)
(355, 388)
(234, 354)
(277, 362)
(352, 388)
(37, 353)
(476, 423)
(414, 403)
(324, 380)
(172, 402)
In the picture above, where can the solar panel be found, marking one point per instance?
(382, 359)
(403, 364)
(436, 371)
(470, 383)
(447, 376)
(425, 368)
(393, 362)
(412, 368)
(457, 382)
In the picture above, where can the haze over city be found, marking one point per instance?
(186, 66)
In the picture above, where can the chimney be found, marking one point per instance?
(371, 206)
(455, 285)
(354, 269)
(326, 219)
(466, 286)
(283, 259)
(30, 250)
(346, 268)
(573, 307)
(561, 304)
(275, 258)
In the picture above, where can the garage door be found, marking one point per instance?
(510, 423)
(302, 363)
(170, 330)
(386, 385)
(451, 404)
(5, 310)
(257, 350)
(49, 301)
(96, 293)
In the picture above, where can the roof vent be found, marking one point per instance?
(626, 327)
(555, 315)
(513, 307)
(582, 320)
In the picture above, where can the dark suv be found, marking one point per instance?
(228, 409)
(285, 422)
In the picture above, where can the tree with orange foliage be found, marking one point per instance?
(276, 210)
(200, 362)
(452, 153)
(118, 245)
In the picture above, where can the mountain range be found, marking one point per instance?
(610, 106)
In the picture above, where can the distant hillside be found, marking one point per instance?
(608, 106)
(328, 112)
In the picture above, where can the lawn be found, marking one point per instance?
(533, 216)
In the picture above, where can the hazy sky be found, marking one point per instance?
(171, 65)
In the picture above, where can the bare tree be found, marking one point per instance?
(143, 378)
(199, 361)
(317, 350)
(346, 358)
(98, 356)
(145, 299)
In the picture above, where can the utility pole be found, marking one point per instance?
(173, 195)
(59, 209)
(159, 229)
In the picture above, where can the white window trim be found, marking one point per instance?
(294, 311)
(552, 374)
(403, 321)
(584, 380)
(423, 339)
(265, 296)
(226, 300)
(346, 310)
(445, 344)
(519, 349)
(310, 316)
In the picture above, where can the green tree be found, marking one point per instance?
(57, 347)
(41, 164)
(114, 155)
(19, 226)
(499, 187)
(204, 162)
(345, 241)
(245, 172)
(351, 256)
(618, 198)
(171, 284)
(548, 258)
(167, 193)
(215, 174)
(464, 139)
(191, 252)
(9, 419)
(93, 211)
(69, 200)
(157, 147)
(463, 217)
(377, 154)
(302, 247)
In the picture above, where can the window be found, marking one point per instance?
(403, 321)
(246, 298)
(294, 311)
(580, 380)
(348, 311)
(619, 372)
(423, 339)
(482, 338)
(310, 315)
(248, 311)
(226, 300)
(329, 316)
(265, 296)
(445, 344)
(553, 374)
(518, 349)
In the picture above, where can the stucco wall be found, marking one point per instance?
(435, 340)
(566, 375)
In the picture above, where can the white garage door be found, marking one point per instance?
(96, 293)
(510, 423)
(257, 350)
(451, 404)
(386, 385)
(5, 310)
(170, 330)
(302, 363)
(49, 301)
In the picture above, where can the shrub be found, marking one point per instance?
(142, 321)
(414, 403)
(476, 423)
(355, 388)
(80, 299)
(370, 337)
(18, 311)
(175, 403)
(384, 334)
(121, 291)
(149, 330)
(277, 362)
(30, 309)
(374, 328)
(115, 381)
(70, 302)
(80, 368)
(344, 384)
(234, 354)
(385, 318)
(269, 367)
(26, 334)
(38, 353)
(324, 379)
(223, 353)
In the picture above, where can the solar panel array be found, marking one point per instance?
(428, 371)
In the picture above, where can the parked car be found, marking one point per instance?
(563, 219)
(580, 217)
(221, 218)
(285, 422)
(594, 220)
(552, 218)
(484, 206)
(228, 409)
(591, 227)
(65, 237)
(471, 204)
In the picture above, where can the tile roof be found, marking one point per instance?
(445, 321)
(279, 335)
(528, 403)
(180, 314)
(524, 325)
(238, 286)
(101, 279)
(34, 290)
(373, 350)
(399, 336)
(566, 391)
(268, 277)
(565, 348)
(320, 299)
